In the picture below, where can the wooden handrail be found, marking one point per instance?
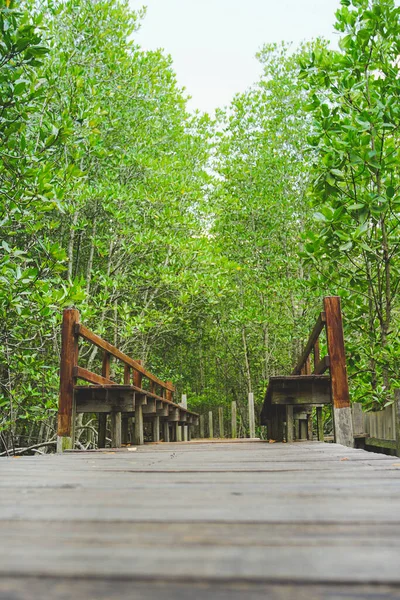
(320, 324)
(113, 351)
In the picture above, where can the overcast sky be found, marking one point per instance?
(213, 42)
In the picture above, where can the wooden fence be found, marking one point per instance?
(376, 430)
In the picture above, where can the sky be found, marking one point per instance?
(213, 42)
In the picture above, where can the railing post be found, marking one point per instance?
(184, 427)
(234, 420)
(339, 384)
(102, 417)
(320, 423)
(201, 426)
(69, 360)
(139, 426)
(210, 425)
(221, 422)
(252, 423)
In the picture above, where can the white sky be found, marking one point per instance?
(213, 42)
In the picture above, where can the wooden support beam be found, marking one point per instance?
(139, 431)
(252, 423)
(210, 425)
(124, 429)
(178, 432)
(156, 429)
(310, 344)
(102, 425)
(138, 376)
(320, 424)
(339, 383)
(116, 430)
(80, 373)
(322, 366)
(317, 355)
(69, 360)
(233, 420)
(221, 422)
(289, 424)
(201, 426)
(166, 431)
(309, 427)
(127, 374)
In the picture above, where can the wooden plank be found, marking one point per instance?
(380, 443)
(69, 360)
(80, 373)
(100, 343)
(310, 344)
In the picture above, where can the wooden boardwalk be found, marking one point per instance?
(201, 520)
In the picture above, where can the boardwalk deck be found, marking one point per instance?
(178, 521)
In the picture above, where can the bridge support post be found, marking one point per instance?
(178, 432)
(201, 426)
(166, 431)
(234, 420)
(252, 423)
(210, 425)
(139, 433)
(342, 418)
(69, 360)
(156, 429)
(221, 422)
(320, 424)
(186, 433)
(116, 429)
(289, 424)
(102, 424)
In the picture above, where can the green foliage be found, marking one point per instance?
(354, 99)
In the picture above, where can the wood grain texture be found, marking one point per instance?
(336, 352)
(202, 519)
(69, 360)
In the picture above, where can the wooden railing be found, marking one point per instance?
(291, 399)
(378, 431)
(105, 396)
